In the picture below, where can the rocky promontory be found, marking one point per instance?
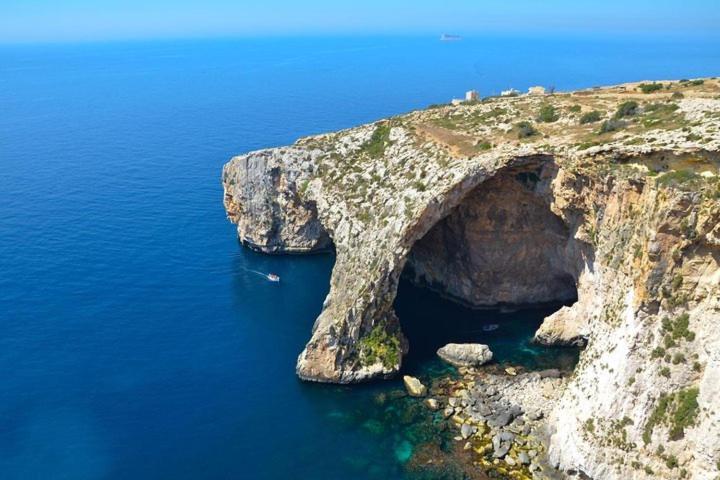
(608, 199)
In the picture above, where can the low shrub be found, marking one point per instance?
(627, 109)
(612, 125)
(678, 411)
(661, 107)
(590, 117)
(588, 144)
(650, 87)
(656, 417)
(525, 130)
(548, 114)
(379, 140)
(658, 352)
(685, 412)
(678, 177)
(678, 358)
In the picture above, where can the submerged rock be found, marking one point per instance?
(465, 354)
(403, 451)
(414, 387)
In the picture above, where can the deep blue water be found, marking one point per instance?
(133, 341)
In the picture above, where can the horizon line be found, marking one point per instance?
(465, 34)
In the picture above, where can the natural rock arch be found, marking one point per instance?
(502, 245)
(647, 249)
(358, 337)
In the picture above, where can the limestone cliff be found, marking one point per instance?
(609, 196)
(501, 245)
(264, 201)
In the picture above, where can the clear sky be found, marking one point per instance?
(73, 20)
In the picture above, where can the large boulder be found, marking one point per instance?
(563, 328)
(465, 354)
(414, 387)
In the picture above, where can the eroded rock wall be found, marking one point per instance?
(501, 245)
(261, 196)
(651, 311)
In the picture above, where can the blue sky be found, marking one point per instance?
(79, 20)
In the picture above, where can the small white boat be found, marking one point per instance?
(272, 277)
(446, 37)
(490, 328)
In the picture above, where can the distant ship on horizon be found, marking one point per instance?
(446, 37)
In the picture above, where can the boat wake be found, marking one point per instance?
(271, 277)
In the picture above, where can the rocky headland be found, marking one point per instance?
(608, 198)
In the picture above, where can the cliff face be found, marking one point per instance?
(502, 245)
(270, 214)
(488, 209)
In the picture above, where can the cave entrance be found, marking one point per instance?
(490, 272)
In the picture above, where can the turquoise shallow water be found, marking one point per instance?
(134, 343)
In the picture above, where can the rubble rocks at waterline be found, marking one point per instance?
(500, 416)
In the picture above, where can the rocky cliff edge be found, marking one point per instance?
(611, 196)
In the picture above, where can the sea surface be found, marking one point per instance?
(135, 340)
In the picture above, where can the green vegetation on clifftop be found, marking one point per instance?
(380, 139)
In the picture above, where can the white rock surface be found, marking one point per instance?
(465, 354)
(414, 387)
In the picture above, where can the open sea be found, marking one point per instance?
(134, 341)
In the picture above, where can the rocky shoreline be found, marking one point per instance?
(499, 417)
